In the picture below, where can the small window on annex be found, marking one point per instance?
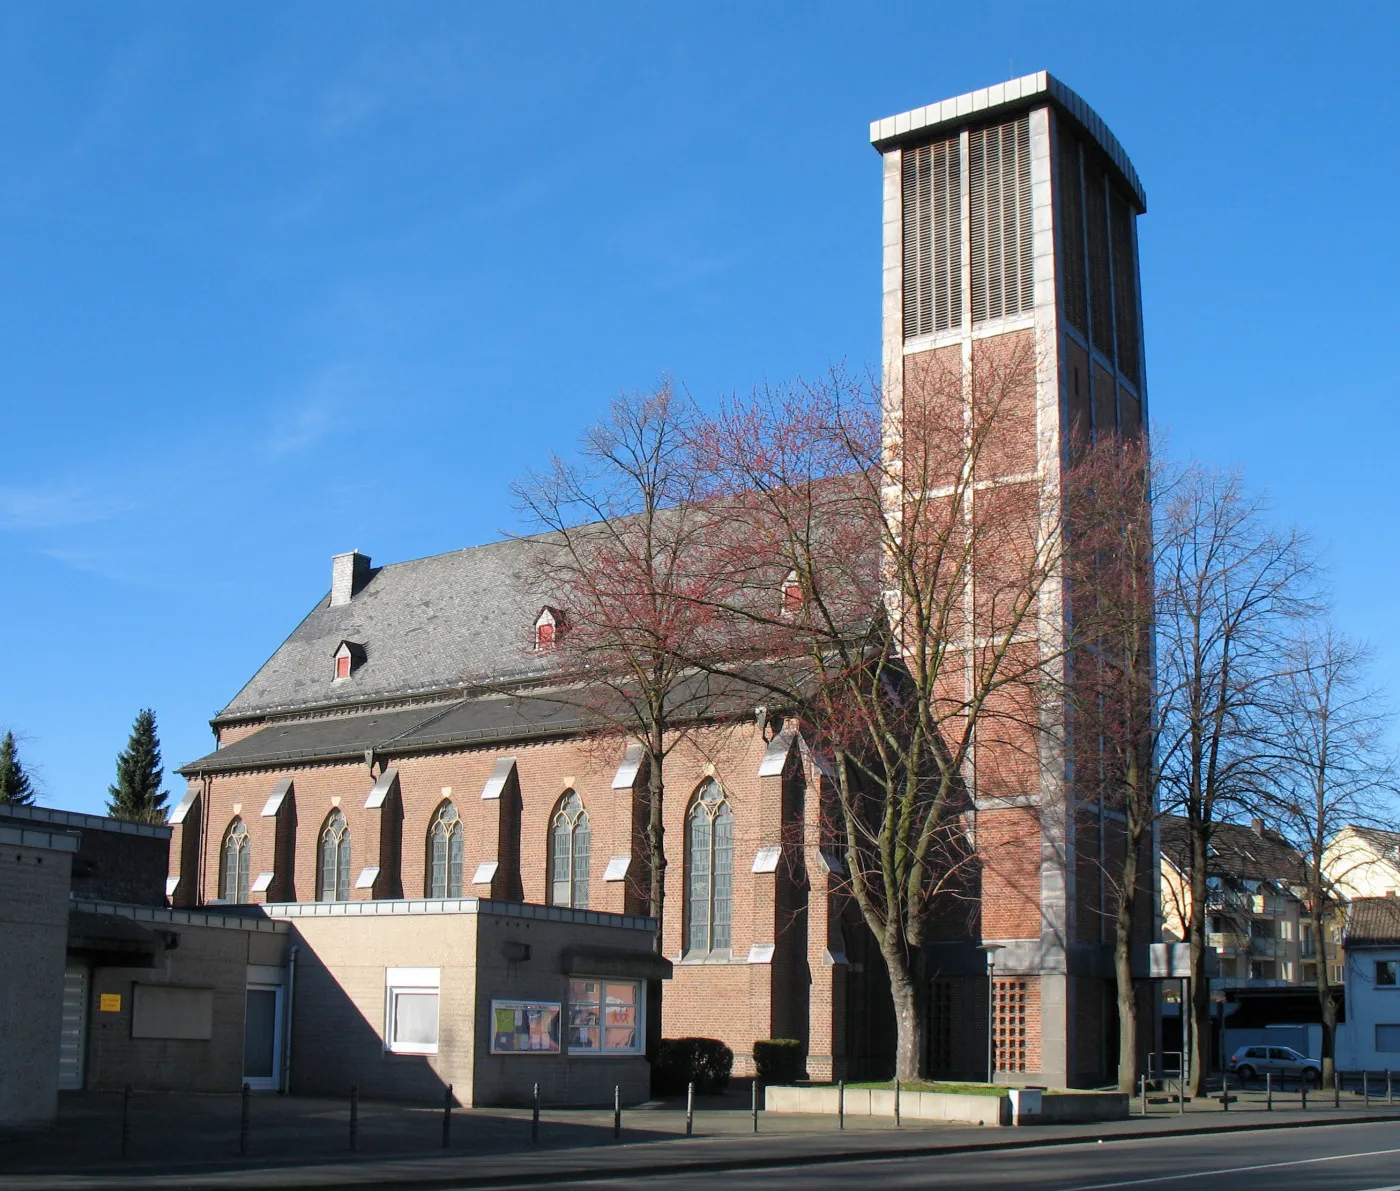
(233, 865)
(1386, 972)
(445, 853)
(605, 1018)
(569, 843)
(1388, 1037)
(411, 1010)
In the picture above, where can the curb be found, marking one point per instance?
(598, 1173)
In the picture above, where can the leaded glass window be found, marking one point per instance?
(233, 883)
(710, 869)
(445, 853)
(569, 841)
(334, 882)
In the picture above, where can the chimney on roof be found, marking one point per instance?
(1258, 825)
(349, 573)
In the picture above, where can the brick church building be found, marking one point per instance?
(404, 743)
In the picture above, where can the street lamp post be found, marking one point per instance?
(990, 950)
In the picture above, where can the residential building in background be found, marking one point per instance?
(1255, 916)
(1369, 1038)
(1363, 862)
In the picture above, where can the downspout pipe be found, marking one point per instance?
(285, 1085)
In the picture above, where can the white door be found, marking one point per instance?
(72, 1040)
(262, 1037)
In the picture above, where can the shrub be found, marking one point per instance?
(779, 1060)
(705, 1062)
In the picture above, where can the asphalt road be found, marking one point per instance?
(1338, 1158)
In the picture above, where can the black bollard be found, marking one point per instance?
(126, 1120)
(896, 1104)
(1225, 1091)
(1336, 1089)
(447, 1117)
(535, 1118)
(689, 1109)
(354, 1117)
(243, 1122)
(617, 1113)
(1389, 1091)
(841, 1105)
(1269, 1090)
(1303, 1087)
(1142, 1090)
(753, 1105)
(1366, 1087)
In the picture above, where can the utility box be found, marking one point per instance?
(1025, 1105)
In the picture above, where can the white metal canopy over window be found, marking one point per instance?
(605, 1017)
(411, 1010)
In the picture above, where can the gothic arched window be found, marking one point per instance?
(233, 865)
(333, 884)
(569, 839)
(445, 853)
(709, 884)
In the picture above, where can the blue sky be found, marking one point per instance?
(286, 280)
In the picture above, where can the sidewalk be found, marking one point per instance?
(294, 1142)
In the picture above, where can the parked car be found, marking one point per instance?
(1249, 1061)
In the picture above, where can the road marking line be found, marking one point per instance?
(1201, 1174)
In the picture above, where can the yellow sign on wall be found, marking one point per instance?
(109, 1003)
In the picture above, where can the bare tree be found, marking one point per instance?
(1113, 726)
(621, 557)
(1230, 589)
(1332, 768)
(887, 587)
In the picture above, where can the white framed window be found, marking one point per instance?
(605, 1017)
(411, 1010)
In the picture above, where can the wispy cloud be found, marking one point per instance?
(315, 414)
(56, 506)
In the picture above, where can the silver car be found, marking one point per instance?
(1249, 1061)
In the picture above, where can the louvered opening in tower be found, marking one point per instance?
(1125, 287)
(999, 214)
(1070, 189)
(1100, 288)
(932, 239)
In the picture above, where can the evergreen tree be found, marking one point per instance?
(137, 795)
(15, 787)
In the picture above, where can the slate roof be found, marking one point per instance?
(476, 720)
(1374, 922)
(1240, 852)
(450, 621)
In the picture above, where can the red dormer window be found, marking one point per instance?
(792, 594)
(549, 627)
(348, 658)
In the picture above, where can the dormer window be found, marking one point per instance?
(549, 628)
(792, 594)
(349, 657)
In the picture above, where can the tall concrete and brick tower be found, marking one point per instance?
(1010, 225)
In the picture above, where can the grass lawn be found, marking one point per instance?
(953, 1089)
